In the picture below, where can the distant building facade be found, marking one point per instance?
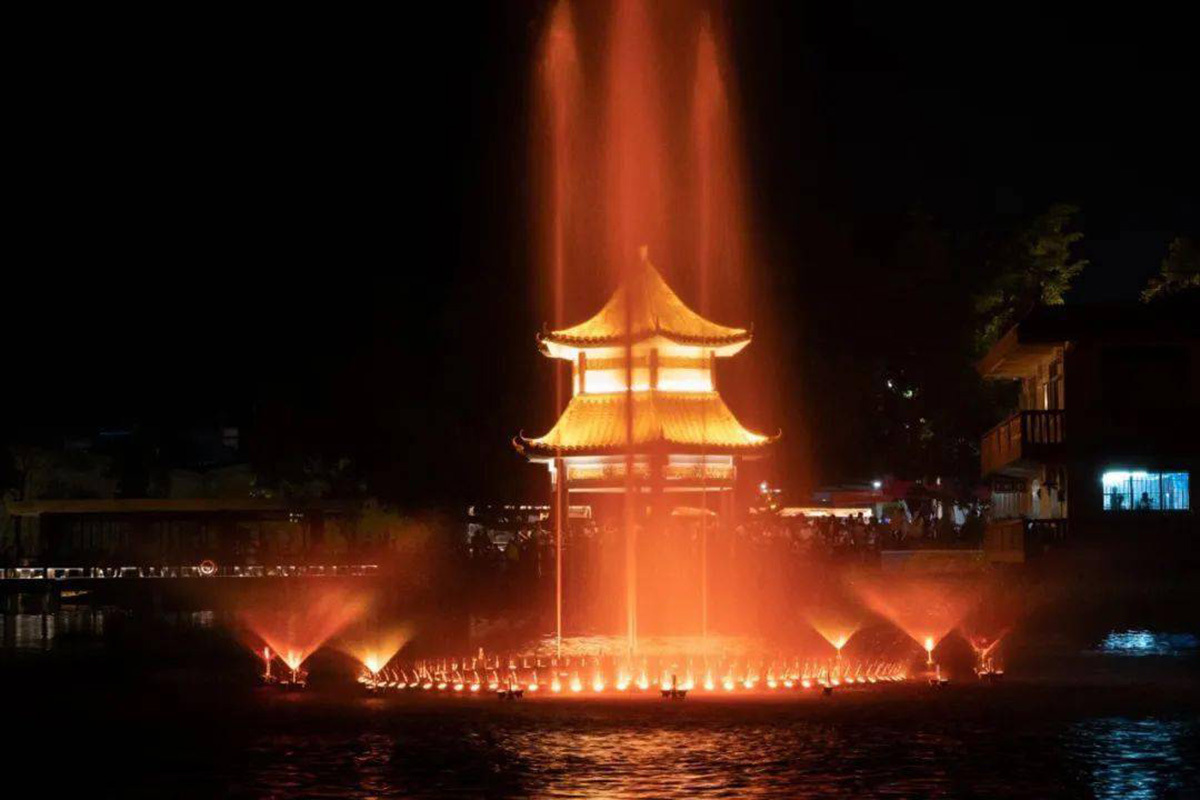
(1105, 437)
(116, 532)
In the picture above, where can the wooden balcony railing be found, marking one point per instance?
(1017, 540)
(1028, 435)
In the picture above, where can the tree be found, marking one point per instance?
(1035, 266)
(1180, 271)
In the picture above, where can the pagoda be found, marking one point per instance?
(644, 396)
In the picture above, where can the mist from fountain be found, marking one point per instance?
(634, 148)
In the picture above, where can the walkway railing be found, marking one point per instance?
(200, 571)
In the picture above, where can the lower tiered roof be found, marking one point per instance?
(678, 422)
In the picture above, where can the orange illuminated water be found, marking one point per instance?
(376, 647)
(296, 626)
(834, 614)
(635, 147)
(924, 608)
(559, 86)
(655, 671)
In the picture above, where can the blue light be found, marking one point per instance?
(1148, 643)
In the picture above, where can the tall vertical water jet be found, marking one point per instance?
(639, 153)
(726, 284)
(633, 141)
(707, 96)
(708, 108)
(633, 210)
(560, 80)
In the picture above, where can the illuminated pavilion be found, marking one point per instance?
(684, 438)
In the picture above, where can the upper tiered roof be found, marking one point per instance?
(647, 306)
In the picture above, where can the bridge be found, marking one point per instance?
(119, 548)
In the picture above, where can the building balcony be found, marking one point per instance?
(1022, 442)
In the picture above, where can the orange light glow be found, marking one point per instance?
(603, 674)
(297, 628)
(643, 158)
(926, 609)
(374, 648)
(293, 658)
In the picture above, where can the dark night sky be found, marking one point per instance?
(317, 227)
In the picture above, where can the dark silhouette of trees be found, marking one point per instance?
(1180, 271)
(1035, 266)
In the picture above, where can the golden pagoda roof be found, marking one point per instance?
(645, 303)
(595, 424)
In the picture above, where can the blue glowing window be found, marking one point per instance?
(1138, 490)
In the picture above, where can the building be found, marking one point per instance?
(644, 395)
(231, 531)
(1105, 437)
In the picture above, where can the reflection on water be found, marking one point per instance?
(33, 632)
(1148, 643)
(80, 625)
(636, 750)
(603, 757)
(1136, 758)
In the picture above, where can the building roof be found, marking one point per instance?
(1047, 328)
(1012, 357)
(595, 424)
(651, 308)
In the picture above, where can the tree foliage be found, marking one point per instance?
(1034, 266)
(1180, 271)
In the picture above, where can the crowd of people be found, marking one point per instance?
(857, 535)
(768, 552)
(861, 536)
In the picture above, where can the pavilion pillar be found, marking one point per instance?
(562, 506)
(658, 481)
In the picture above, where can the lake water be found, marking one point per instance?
(174, 711)
(915, 743)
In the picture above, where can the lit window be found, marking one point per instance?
(1138, 490)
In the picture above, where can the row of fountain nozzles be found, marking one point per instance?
(512, 685)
